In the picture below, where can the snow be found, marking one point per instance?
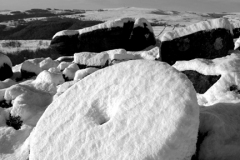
(220, 124)
(80, 74)
(201, 26)
(70, 71)
(11, 140)
(227, 67)
(237, 44)
(7, 83)
(48, 63)
(31, 45)
(32, 66)
(109, 24)
(132, 110)
(63, 65)
(49, 77)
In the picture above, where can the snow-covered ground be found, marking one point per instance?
(6, 47)
(141, 109)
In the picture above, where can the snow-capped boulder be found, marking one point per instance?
(80, 74)
(63, 87)
(207, 39)
(7, 83)
(216, 80)
(5, 67)
(219, 132)
(48, 63)
(49, 77)
(30, 99)
(133, 34)
(31, 68)
(65, 59)
(69, 72)
(134, 110)
(63, 65)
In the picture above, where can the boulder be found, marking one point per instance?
(134, 110)
(5, 67)
(215, 80)
(219, 132)
(69, 72)
(80, 74)
(133, 34)
(31, 68)
(208, 39)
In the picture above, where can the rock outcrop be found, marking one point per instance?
(208, 39)
(127, 33)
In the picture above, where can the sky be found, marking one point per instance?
(178, 5)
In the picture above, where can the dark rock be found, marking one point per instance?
(100, 38)
(5, 72)
(27, 74)
(203, 44)
(201, 82)
(5, 104)
(236, 32)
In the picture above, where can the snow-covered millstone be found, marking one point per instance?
(132, 34)
(207, 39)
(134, 110)
(225, 73)
(219, 132)
(5, 67)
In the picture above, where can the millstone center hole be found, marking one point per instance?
(97, 114)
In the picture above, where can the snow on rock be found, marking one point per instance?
(132, 110)
(63, 87)
(48, 77)
(5, 67)
(80, 74)
(65, 59)
(69, 72)
(30, 99)
(31, 68)
(54, 70)
(48, 63)
(219, 132)
(226, 89)
(12, 140)
(208, 39)
(237, 44)
(133, 34)
(7, 83)
(63, 65)
(103, 59)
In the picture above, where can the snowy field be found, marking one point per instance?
(125, 105)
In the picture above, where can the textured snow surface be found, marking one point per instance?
(134, 110)
(220, 125)
(200, 26)
(80, 74)
(100, 59)
(229, 69)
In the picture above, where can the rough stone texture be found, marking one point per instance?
(203, 44)
(226, 67)
(128, 33)
(134, 110)
(207, 39)
(201, 82)
(5, 67)
(236, 32)
(219, 128)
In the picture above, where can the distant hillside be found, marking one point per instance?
(43, 29)
(33, 13)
